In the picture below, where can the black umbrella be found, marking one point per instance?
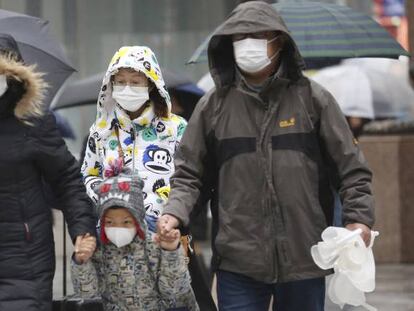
(38, 47)
(80, 92)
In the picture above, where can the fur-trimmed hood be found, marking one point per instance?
(31, 104)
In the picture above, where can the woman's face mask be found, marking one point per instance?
(120, 236)
(251, 54)
(130, 98)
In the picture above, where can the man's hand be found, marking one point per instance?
(365, 234)
(167, 236)
(165, 225)
(84, 248)
(170, 244)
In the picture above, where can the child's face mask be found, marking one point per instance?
(120, 236)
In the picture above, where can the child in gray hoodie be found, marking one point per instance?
(128, 270)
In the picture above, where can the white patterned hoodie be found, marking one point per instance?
(148, 142)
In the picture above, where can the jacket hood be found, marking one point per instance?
(124, 191)
(249, 17)
(31, 103)
(139, 58)
(8, 44)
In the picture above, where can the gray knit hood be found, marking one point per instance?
(122, 191)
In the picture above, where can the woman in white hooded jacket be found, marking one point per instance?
(134, 126)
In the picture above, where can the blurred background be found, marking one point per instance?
(90, 31)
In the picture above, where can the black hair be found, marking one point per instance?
(14, 93)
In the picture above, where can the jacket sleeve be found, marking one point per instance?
(342, 150)
(61, 171)
(191, 162)
(174, 282)
(85, 279)
(91, 168)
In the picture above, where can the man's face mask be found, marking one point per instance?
(251, 54)
(120, 236)
(130, 98)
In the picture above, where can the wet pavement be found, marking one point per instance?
(394, 290)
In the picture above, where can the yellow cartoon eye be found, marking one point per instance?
(122, 122)
(115, 58)
(143, 122)
(122, 52)
(153, 75)
(102, 124)
(93, 171)
(164, 192)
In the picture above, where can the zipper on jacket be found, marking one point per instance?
(134, 134)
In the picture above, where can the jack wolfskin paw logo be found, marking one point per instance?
(287, 123)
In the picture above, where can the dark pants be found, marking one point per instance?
(241, 293)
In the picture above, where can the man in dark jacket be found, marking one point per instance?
(273, 145)
(32, 149)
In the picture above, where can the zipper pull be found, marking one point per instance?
(189, 239)
(27, 232)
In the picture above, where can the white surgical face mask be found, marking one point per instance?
(120, 236)
(130, 98)
(251, 54)
(3, 84)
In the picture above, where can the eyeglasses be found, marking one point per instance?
(256, 35)
(130, 83)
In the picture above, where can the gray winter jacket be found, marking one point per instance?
(139, 276)
(271, 160)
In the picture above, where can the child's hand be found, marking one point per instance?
(84, 248)
(170, 244)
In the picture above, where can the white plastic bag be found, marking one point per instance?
(353, 264)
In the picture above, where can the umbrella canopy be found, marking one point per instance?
(64, 126)
(366, 92)
(327, 33)
(80, 92)
(38, 47)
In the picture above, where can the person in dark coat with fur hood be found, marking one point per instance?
(31, 150)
